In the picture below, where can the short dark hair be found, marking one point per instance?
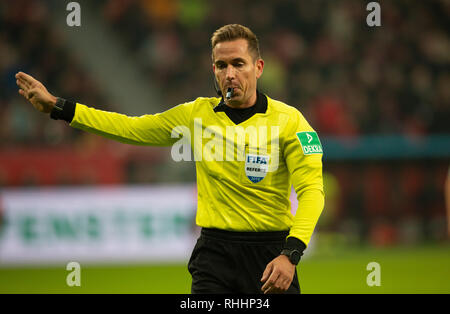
(232, 32)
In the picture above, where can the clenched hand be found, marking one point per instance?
(278, 275)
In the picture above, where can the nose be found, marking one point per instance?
(230, 72)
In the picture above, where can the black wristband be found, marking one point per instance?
(294, 244)
(63, 110)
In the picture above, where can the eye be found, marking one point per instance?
(220, 65)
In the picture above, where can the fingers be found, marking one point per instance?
(271, 282)
(26, 84)
(27, 79)
(278, 275)
(24, 94)
(280, 285)
(31, 93)
(22, 84)
(28, 93)
(272, 290)
(267, 272)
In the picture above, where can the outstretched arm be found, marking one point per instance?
(35, 92)
(148, 129)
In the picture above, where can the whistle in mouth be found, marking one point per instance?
(229, 93)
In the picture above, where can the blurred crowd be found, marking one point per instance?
(28, 43)
(347, 78)
(384, 203)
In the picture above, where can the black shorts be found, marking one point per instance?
(234, 262)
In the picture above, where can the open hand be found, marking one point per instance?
(35, 92)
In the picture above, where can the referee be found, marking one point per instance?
(249, 150)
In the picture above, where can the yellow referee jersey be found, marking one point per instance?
(244, 172)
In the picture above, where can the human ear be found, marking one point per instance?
(259, 67)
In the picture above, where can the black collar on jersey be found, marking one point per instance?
(240, 115)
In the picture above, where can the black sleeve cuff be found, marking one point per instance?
(294, 244)
(64, 110)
